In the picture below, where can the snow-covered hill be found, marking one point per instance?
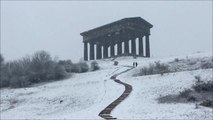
(84, 95)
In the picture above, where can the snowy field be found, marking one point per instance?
(84, 95)
(142, 103)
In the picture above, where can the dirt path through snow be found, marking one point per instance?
(105, 113)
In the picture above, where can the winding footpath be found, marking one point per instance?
(105, 113)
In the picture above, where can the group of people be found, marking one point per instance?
(135, 64)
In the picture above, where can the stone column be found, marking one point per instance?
(105, 51)
(92, 51)
(119, 48)
(133, 47)
(85, 51)
(112, 50)
(98, 51)
(141, 46)
(147, 46)
(126, 47)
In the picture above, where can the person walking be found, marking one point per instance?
(136, 64)
(133, 64)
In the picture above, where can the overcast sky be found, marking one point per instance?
(179, 27)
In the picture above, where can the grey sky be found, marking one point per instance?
(179, 27)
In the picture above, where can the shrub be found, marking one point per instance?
(42, 66)
(207, 103)
(4, 81)
(80, 67)
(115, 62)
(156, 68)
(176, 60)
(67, 65)
(28, 70)
(207, 65)
(145, 71)
(198, 78)
(94, 66)
(191, 99)
(76, 68)
(203, 86)
(19, 81)
(185, 93)
(192, 62)
(3, 73)
(84, 67)
(1, 59)
(60, 72)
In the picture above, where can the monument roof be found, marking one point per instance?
(125, 23)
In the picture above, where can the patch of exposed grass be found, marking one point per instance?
(176, 65)
(201, 92)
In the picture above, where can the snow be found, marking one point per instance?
(84, 95)
(142, 103)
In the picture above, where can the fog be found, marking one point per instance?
(179, 27)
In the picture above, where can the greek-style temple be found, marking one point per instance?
(125, 37)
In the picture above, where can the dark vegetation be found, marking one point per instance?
(94, 66)
(115, 62)
(156, 68)
(176, 65)
(74, 67)
(40, 67)
(201, 92)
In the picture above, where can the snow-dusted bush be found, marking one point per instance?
(206, 65)
(203, 86)
(176, 60)
(1, 59)
(67, 65)
(207, 103)
(94, 66)
(3, 76)
(185, 93)
(28, 70)
(156, 68)
(177, 65)
(19, 81)
(4, 81)
(84, 66)
(80, 67)
(60, 72)
(201, 91)
(198, 78)
(42, 66)
(115, 62)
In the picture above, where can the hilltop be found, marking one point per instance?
(84, 95)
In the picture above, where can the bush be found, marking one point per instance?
(176, 60)
(28, 70)
(207, 103)
(80, 67)
(19, 81)
(94, 66)
(185, 93)
(201, 86)
(1, 59)
(60, 72)
(4, 81)
(207, 65)
(67, 65)
(198, 78)
(42, 66)
(84, 67)
(191, 99)
(156, 68)
(115, 62)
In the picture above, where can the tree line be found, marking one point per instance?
(39, 67)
